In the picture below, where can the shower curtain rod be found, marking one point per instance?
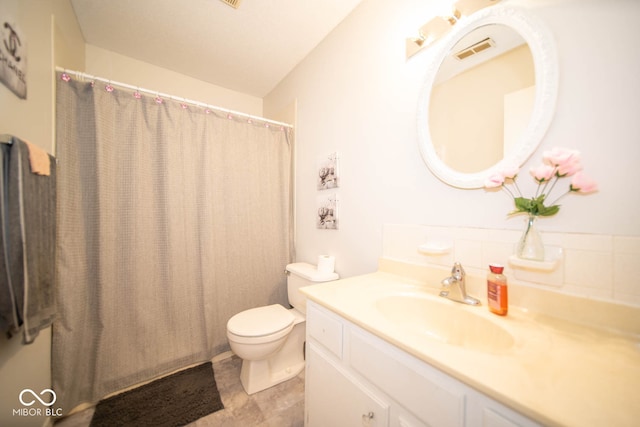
(83, 75)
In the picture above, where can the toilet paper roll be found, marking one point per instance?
(326, 264)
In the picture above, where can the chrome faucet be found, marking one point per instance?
(454, 287)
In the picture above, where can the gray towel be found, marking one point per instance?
(27, 268)
(8, 313)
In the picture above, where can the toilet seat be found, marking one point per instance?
(261, 321)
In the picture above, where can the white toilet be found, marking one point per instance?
(270, 339)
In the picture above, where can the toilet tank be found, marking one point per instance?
(301, 274)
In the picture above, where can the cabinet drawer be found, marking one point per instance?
(430, 395)
(325, 329)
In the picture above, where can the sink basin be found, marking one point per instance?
(439, 320)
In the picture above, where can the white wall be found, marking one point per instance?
(357, 94)
(123, 69)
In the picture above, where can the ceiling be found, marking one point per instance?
(249, 49)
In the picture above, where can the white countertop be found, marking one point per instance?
(557, 372)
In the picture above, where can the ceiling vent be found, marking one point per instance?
(475, 48)
(232, 3)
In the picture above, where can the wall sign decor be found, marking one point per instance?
(328, 172)
(327, 212)
(13, 57)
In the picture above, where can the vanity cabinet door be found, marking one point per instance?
(402, 418)
(491, 418)
(486, 412)
(336, 398)
(433, 397)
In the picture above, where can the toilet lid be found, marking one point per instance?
(260, 321)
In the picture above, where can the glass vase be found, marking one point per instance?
(530, 245)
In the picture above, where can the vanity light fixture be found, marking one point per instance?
(440, 25)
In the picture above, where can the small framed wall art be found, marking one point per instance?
(328, 172)
(327, 212)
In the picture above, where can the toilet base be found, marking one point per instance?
(255, 378)
(286, 363)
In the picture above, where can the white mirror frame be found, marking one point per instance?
(545, 59)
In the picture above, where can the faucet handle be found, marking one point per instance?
(457, 271)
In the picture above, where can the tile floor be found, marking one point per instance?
(278, 406)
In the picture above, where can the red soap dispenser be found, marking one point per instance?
(497, 296)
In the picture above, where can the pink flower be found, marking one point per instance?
(567, 161)
(509, 170)
(495, 180)
(557, 155)
(583, 184)
(571, 167)
(558, 163)
(543, 173)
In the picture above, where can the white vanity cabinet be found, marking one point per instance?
(354, 378)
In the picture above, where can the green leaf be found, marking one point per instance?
(548, 211)
(522, 204)
(534, 206)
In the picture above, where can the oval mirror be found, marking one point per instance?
(489, 95)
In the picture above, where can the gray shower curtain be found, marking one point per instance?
(170, 220)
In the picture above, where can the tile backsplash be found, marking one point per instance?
(590, 265)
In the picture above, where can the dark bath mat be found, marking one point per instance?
(172, 401)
